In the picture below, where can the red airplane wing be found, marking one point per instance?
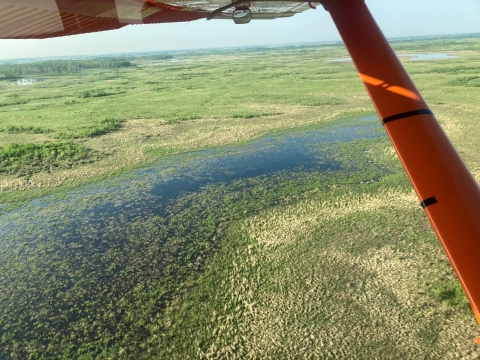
(25, 19)
(37, 19)
(445, 188)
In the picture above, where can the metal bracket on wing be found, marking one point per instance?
(241, 2)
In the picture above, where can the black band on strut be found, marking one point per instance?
(428, 202)
(407, 114)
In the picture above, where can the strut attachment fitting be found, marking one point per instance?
(243, 6)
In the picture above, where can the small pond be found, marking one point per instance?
(23, 82)
(411, 57)
(427, 56)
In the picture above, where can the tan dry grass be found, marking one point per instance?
(388, 309)
(328, 303)
(284, 225)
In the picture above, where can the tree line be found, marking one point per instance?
(60, 67)
(149, 57)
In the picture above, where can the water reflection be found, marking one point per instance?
(145, 192)
(23, 82)
(411, 57)
(428, 56)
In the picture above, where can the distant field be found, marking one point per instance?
(191, 102)
(306, 264)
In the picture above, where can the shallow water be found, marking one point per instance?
(124, 246)
(24, 82)
(147, 191)
(411, 57)
(427, 56)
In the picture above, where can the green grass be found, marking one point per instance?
(26, 159)
(291, 265)
(103, 127)
(92, 93)
(11, 129)
(469, 81)
(451, 293)
(205, 90)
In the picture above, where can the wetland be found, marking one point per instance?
(155, 207)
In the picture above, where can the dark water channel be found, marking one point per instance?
(148, 191)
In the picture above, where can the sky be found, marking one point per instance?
(397, 18)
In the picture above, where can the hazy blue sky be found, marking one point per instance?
(397, 18)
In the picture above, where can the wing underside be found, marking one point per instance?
(26, 19)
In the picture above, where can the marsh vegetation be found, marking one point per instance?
(181, 210)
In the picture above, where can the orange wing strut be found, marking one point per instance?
(446, 189)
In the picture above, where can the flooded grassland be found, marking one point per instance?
(242, 205)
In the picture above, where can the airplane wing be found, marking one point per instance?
(38, 19)
(446, 190)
